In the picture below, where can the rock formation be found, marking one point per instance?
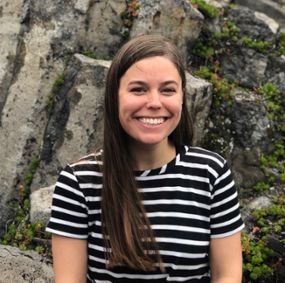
(54, 56)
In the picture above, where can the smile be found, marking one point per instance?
(152, 121)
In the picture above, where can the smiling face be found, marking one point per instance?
(150, 100)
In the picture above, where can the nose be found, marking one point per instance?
(154, 100)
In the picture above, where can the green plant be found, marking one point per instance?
(202, 50)
(260, 260)
(21, 233)
(280, 45)
(261, 186)
(223, 89)
(261, 46)
(51, 98)
(229, 32)
(206, 9)
(28, 178)
(128, 16)
(89, 53)
(257, 257)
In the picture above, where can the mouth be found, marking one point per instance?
(152, 121)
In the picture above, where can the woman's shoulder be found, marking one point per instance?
(203, 155)
(90, 162)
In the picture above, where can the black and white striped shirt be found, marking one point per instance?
(188, 201)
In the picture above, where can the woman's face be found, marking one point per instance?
(150, 100)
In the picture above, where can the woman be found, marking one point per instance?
(148, 207)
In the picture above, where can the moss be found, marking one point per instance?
(21, 233)
(280, 45)
(206, 9)
(202, 50)
(89, 53)
(229, 32)
(260, 261)
(223, 89)
(51, 98)
(276, 114)
(260, 46)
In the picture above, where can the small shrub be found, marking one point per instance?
(206, 9)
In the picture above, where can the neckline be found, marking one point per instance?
(162, 169)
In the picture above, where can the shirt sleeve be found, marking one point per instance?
(225, 217)
(69, 215)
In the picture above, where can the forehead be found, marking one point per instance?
(157, 66)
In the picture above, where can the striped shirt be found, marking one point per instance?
(188, 201)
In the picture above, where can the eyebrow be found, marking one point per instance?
(144, 83)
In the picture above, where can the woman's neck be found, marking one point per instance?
(152, 156)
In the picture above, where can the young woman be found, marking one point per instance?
(149, 207)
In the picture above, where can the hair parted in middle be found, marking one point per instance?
(124, 221)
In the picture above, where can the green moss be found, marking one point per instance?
(203, 51)
(229, 32)
(260, 46)
(260, 261)
(276, 113)
(89, 53)
(21, 233)
(31, 172)
(257, 258)
(223, 89)
(51, 98)
(280, 45)
(206, 9)
(261, 186)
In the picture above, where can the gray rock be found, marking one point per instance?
(250, 129)
(200, 99)
(37, 40)
(104, 31)
(10, 30)
(219, 3)
(41, 204)
(244, 66)
(245, 164)
(23, 267)
(274, 9)
(255, 25)
(250, 124)
(75, 127)
(257, 203)
(177, 20)
(275, 73)
(23, 118)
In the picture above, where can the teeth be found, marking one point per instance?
(152, 121)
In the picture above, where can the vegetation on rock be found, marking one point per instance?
(21, 233)
(263, 241)
(51, 98)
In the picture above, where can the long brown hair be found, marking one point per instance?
(126, 228)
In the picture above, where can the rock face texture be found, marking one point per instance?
(246, 65)
(172, 18)
(274, 9)
(39, 40)
(23, 267)
(54, 56)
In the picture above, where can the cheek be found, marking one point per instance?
(126, 109)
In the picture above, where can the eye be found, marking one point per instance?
(168, 90)
(138, 90)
